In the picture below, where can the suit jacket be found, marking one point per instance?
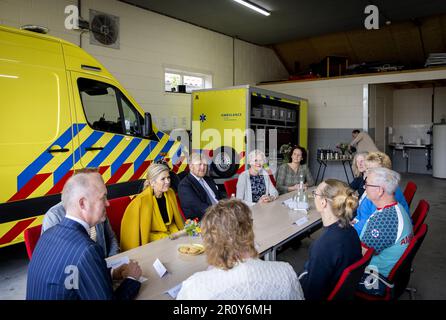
(105, 237)
(68, 265)
(194, 199)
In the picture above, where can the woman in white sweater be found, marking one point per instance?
(254, 185)
(236, 272)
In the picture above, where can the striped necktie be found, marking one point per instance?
(93, 233)
(211, 198)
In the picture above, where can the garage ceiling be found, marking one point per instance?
(303, 32)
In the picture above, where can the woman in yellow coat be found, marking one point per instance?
(153, 214)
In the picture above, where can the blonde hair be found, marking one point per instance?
(155, 169)
(379, 158)
(355, 169)
(343, 200)
(228, 234)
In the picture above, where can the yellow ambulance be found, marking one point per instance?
(228, 123)
(61, 110)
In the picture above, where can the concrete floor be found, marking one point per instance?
(429, 276)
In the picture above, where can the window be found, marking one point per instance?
(107, 109)
(190, 80)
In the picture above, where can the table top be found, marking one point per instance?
(273, 224)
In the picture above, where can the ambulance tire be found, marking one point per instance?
(229, 168)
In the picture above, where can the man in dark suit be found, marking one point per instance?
(197, 191)
(66, 263)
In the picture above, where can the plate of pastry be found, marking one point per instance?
(191, 249)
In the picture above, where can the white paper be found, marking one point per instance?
(301, 221)
(173, 292)
(116, 263)
(159, 267)
(142, 279)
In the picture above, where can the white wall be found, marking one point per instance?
(332, 104)
(338, 103)
(381, 113)
(412, 114)
(148, 43)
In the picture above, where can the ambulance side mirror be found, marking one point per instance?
(147, 128)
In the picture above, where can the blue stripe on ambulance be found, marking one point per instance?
(144, 154)
(96, 162)
(124, 155)
(160, 134)
(165, 149)
(176, 155)
(45, 157)
(68, 164)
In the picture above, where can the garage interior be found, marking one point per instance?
(389, 81)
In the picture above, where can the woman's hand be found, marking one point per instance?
(266, 199)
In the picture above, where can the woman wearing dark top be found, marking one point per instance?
(358, 168)
(338, 247)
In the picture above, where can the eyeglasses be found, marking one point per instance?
(314, 193)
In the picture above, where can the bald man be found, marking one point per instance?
(67, 264)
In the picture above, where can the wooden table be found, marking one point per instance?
(273, 226)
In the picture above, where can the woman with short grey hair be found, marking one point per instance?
(254, 185)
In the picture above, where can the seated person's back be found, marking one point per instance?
(338, 247)
(236, 271)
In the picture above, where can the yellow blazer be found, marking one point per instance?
(142, 221)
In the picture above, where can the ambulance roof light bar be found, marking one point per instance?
(253, 7)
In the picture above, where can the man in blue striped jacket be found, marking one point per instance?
(66, 263)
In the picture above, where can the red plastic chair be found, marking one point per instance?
(399, 276)
(348, 282)
(115, 212)
(273, 180)
(419, 215)
(409, 192)
(231, 187)
(32, 236)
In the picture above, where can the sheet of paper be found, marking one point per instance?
(173, 292)
(115, 263)
(142, 279)
(301, 221)
(159, 267)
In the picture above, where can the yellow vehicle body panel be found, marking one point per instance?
(218, 113)
(45, 135)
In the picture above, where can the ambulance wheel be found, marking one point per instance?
(225, 162)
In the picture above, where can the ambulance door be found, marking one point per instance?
(110, 134)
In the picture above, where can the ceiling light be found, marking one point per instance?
(253, 7)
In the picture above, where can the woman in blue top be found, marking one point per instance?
(338, 247)
(366, 207)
